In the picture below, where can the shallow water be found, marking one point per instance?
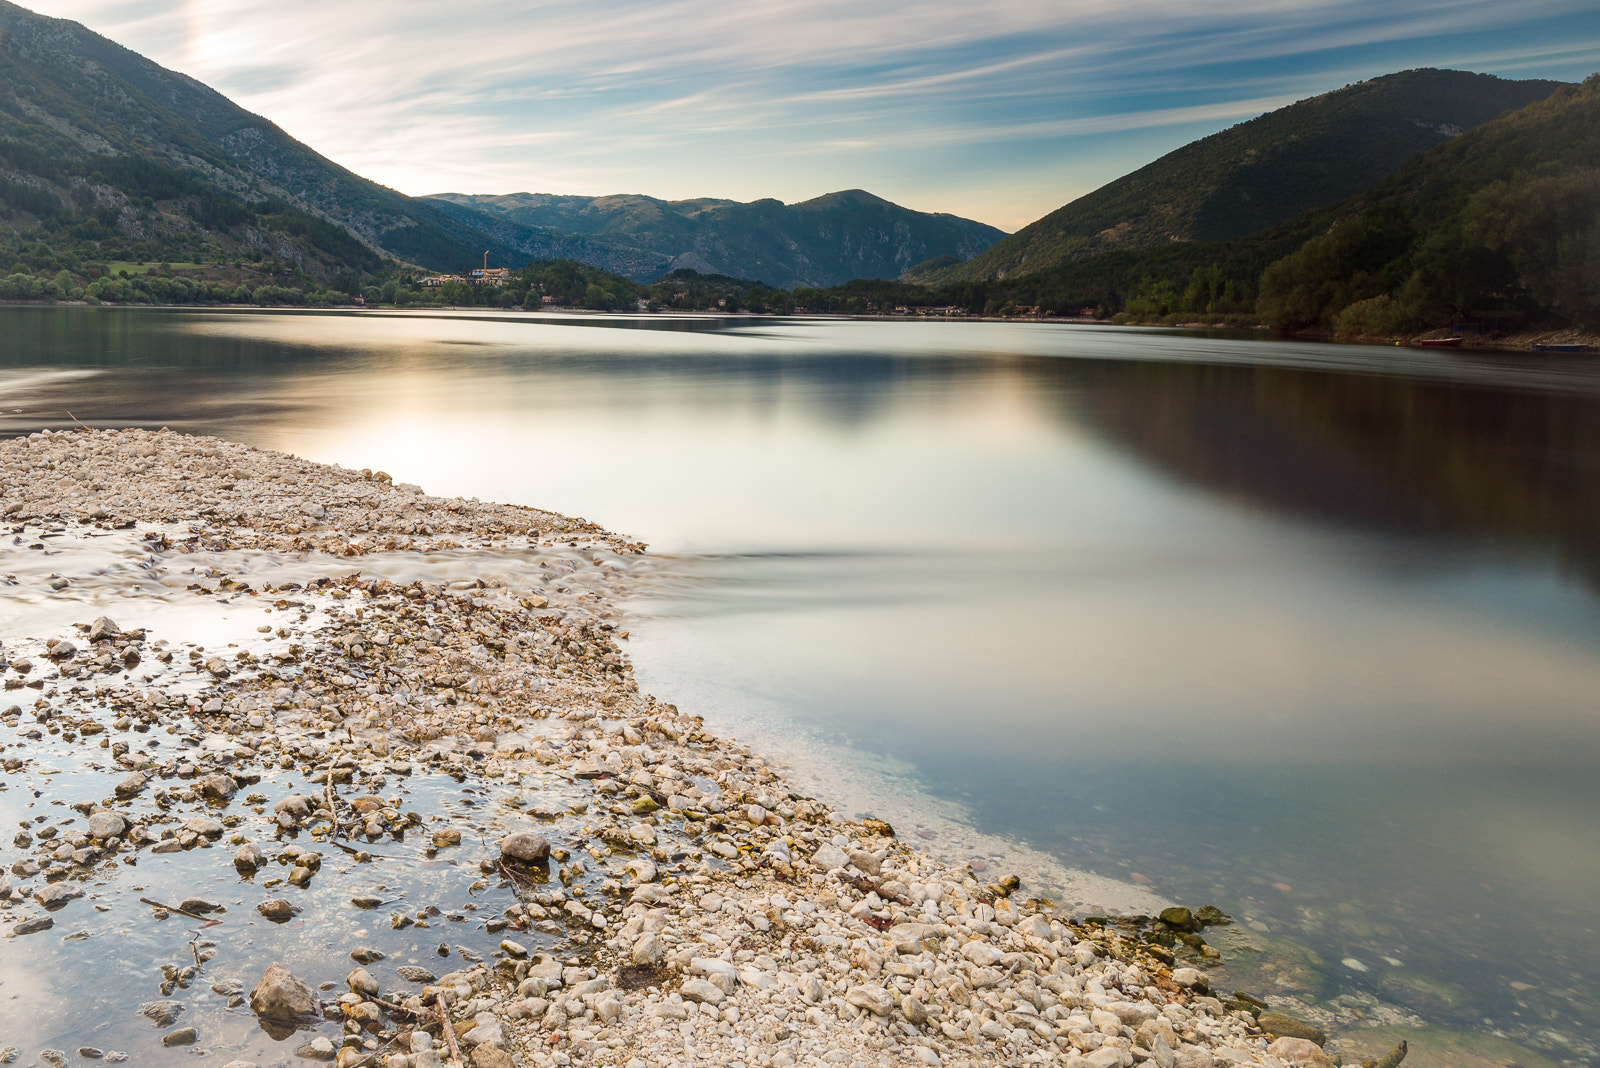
(1309, 631)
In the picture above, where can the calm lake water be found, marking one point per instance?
(1307, 631)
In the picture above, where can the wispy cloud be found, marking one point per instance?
(792, 98)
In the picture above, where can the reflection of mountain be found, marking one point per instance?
(1369, 451)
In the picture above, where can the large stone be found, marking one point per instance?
(104, 825)
(320, 1048)
(486, 1031)
(487, 1056)
(1179, 919)
(282, 995)
(184, 1036)
(297, 806)
(218, 787)
(981, 953)
(131, 786)
(278, 910)
(162, 1013)
(829, 857)
(648, 949)
(204, 825)
(1300, 1052)
(702, 991)
(869, 863)
(361, 981)
(249, 858)
(103, 628)
(56, 895)
(875, 999)
(720, 972)
(526, 847)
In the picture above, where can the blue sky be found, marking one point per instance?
(1000, 110)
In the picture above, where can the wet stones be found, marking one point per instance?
(103, 629)
(33, 926)
(103, 825)
(162, 1013)
(56, 896)
(218, 787)
(204, 826)
(525, 847)
(249, 859)
(413, 974)
(365, 955)
(361, 981)
(320, 1048)
(184, 1036)
(282, 995)
(294, 808)
(132, 786)
(277, 910)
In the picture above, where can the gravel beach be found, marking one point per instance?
(291, 665)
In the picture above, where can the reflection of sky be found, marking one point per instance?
(932, 541)
(1000, 110)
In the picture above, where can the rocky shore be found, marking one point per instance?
(410, 760)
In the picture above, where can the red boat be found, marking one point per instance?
(1440, 343)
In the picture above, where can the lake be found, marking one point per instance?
(1303, 630)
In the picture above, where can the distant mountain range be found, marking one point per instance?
(820, 242)
(109, 162)
(1258, 173)
(125, 159)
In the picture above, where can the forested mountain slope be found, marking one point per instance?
(1259, 173)
(102, 148)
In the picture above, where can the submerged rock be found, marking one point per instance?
(162, 1013)
(1276, 1023)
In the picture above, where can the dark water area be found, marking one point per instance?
(1307, 631)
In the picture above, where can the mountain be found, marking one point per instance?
(151, 161)
(1495, 231)
(1259, 173)
(820, 242)
(1498, 228)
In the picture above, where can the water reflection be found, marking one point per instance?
(1206, 610)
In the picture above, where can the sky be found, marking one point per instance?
(998, 110)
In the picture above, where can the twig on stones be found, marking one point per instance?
(180, 912)
(449, 1029)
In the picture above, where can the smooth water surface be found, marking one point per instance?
(1309, 631)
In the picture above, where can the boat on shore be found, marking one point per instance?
(1558, 348)
(1440, 343)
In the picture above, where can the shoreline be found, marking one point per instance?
(1521, 342)
(675, 900)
